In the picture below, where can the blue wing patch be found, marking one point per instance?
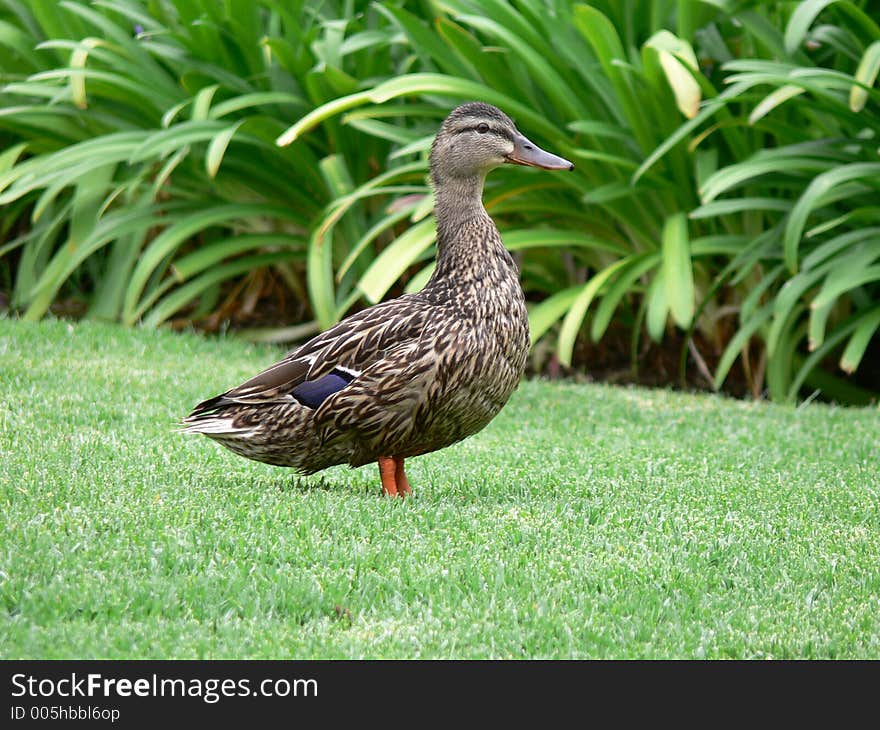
(313, 393)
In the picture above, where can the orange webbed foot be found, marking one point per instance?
(394, 481)
(403, 487)
(387, 469)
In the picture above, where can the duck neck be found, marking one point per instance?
(456, 202)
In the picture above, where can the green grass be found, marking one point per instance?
(585, 521)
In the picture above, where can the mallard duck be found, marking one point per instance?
(410, 375)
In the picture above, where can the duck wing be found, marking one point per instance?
(386, 403)
(336, 358)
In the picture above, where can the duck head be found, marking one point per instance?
(476, 138)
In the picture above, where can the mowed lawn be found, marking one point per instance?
(585, 522)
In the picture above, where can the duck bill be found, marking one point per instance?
(528, 153)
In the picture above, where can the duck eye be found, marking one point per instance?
(482, 127)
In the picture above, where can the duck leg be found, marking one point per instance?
(400, 477)
(387, 469)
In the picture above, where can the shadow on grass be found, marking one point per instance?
(472, 485)
(298, 484)
(321, 484)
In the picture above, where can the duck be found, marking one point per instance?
(409, 375)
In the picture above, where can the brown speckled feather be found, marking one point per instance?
(406, 376)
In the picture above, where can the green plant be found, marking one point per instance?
(147, 173)
(811, 191)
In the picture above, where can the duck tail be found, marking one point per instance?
(218, 416)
